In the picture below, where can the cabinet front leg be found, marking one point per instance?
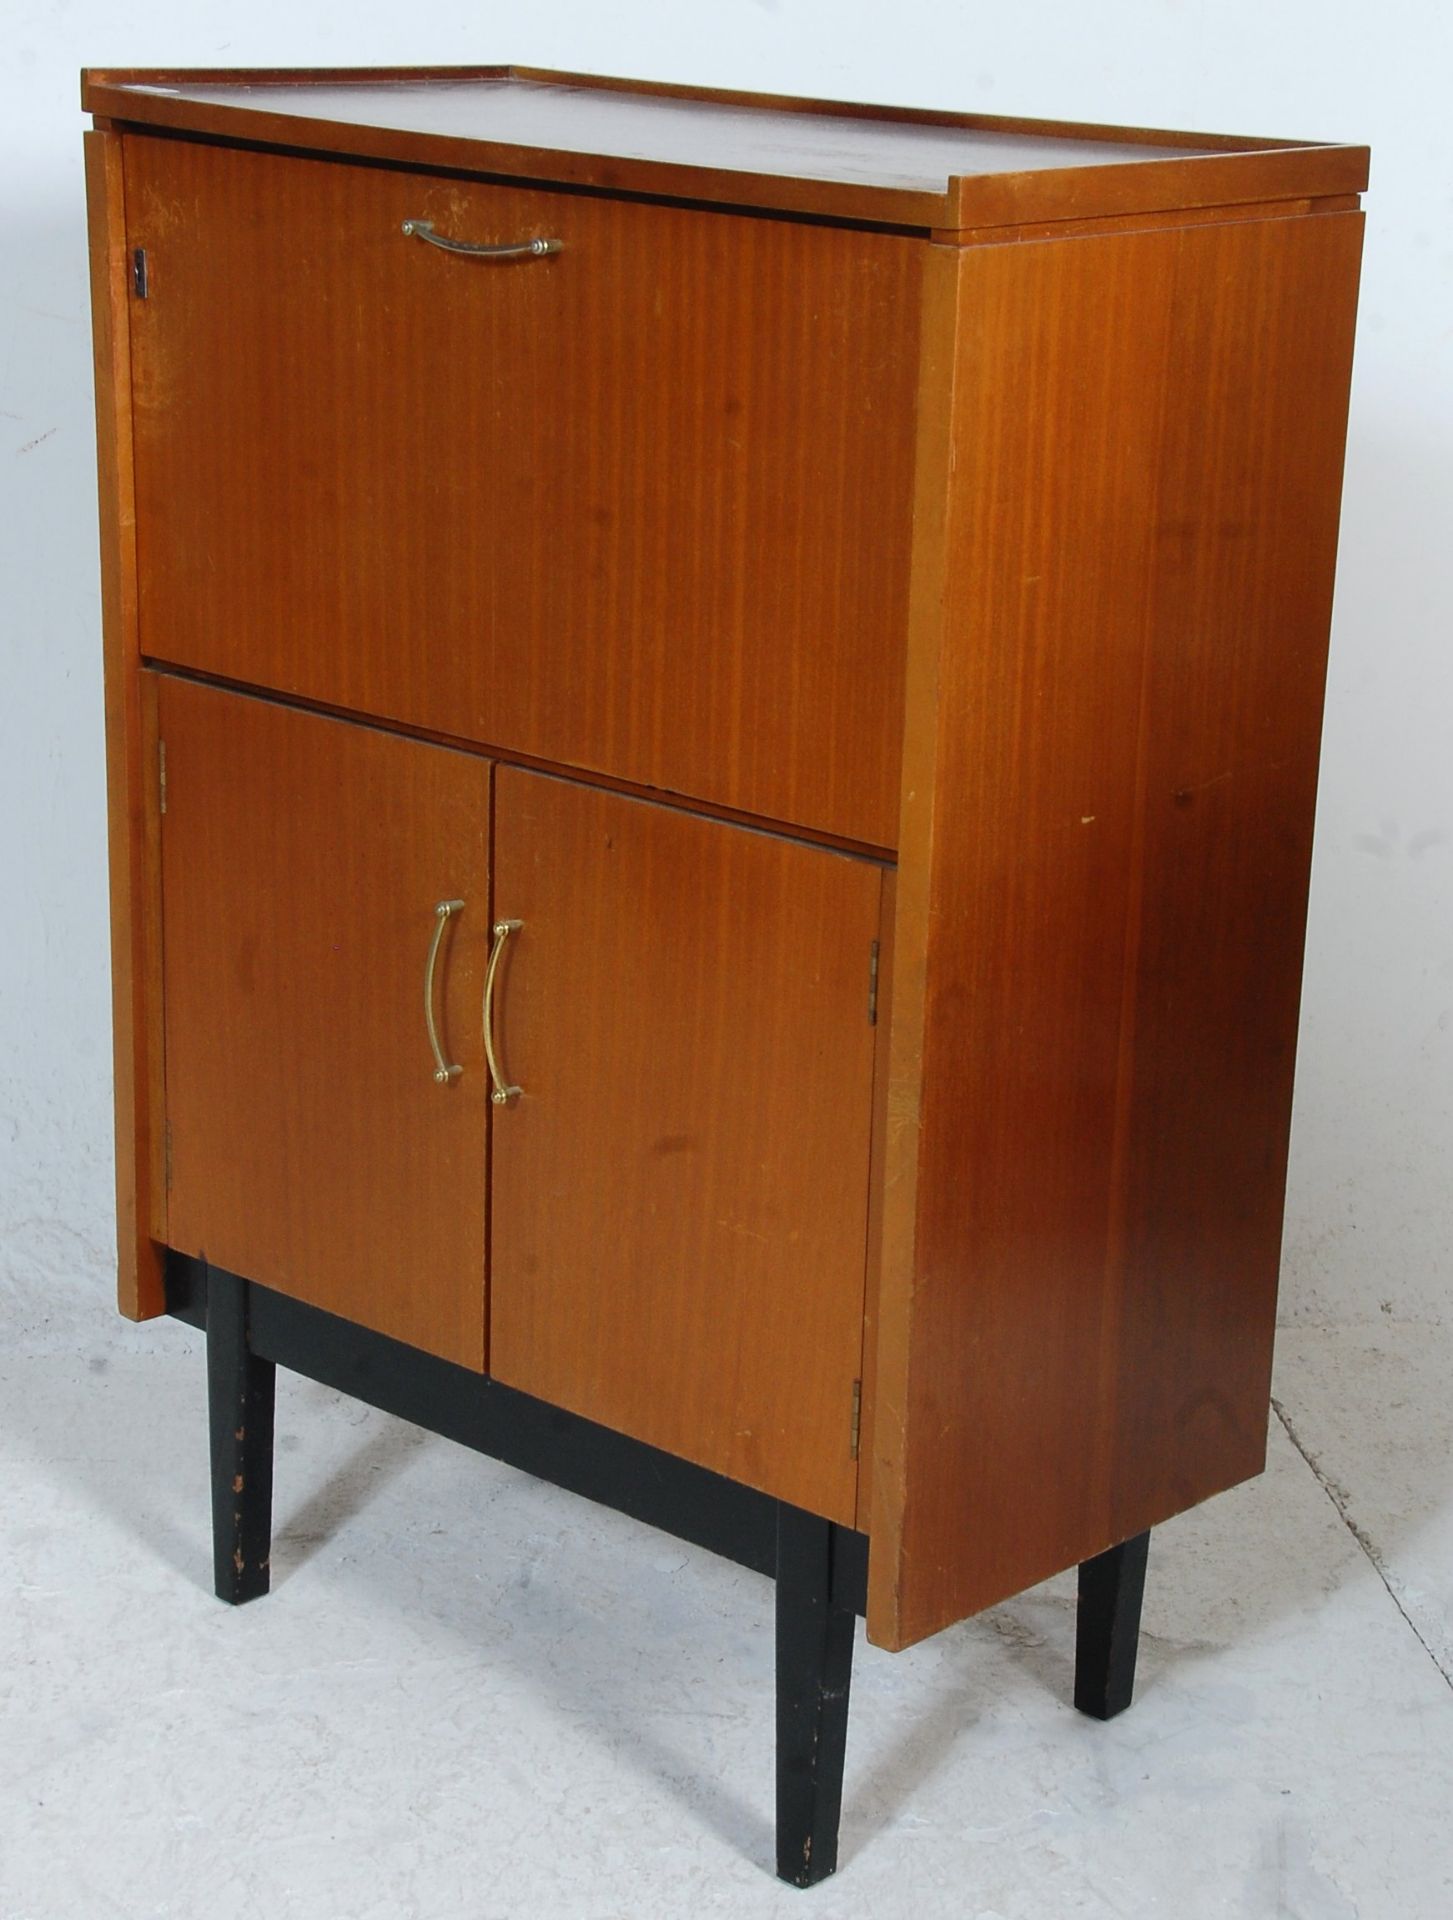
(1107, 1634)
(814, 1671)
(240, 1416)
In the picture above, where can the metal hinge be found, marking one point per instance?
(857, 1416)
(873, 986)
(161, 771)
(138, 272)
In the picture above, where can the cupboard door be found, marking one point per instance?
(679, 1190)
(312, 1148)
(536, 504)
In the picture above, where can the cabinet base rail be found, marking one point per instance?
(820, 1567)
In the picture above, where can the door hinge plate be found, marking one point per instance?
(873, 986)
(161, 772)
(857, 1426)
(138, 272)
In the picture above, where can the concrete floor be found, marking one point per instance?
(470, 1695)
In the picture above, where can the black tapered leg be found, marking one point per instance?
(1107, 1634)
(814, 1671)
(240, 1414)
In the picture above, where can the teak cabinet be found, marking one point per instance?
(712, 715)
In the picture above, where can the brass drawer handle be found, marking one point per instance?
(515, 250)
(443, 1072)
(502, 1092)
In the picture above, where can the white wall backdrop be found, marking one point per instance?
(1370, 1214)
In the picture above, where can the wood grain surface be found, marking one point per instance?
(131, 767)
(640, 508)
(1127, 531)
(899, 166)
(679, 1195)
(312, 1149)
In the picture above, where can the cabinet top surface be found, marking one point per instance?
(894, 165)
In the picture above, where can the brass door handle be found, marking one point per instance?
(511, 250)
(501, 1092)
(443, 1071)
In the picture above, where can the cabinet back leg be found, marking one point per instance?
(814, 1671)
(1107, 1634)
(240, 1418)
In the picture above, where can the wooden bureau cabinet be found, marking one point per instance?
(712, 712)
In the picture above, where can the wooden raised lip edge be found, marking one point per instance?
(1300, 169)
(1071, 227)
(659, 180)
(778, 828)
(301, 77)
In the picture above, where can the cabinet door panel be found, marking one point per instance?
(679, 1193)
(312, 1148)
(641, 507)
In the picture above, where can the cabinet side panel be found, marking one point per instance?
(131, 784)
(1131, 624)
